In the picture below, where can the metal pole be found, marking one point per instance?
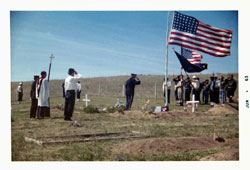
(166, 67)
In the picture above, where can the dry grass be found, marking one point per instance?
(164, 128)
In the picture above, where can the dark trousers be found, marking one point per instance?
(20, 96)
(187, 94)
(168, 96)
(175, 94)
(78, 94)
(43, 112)
(129, 99)
(196, 95)
(33, 108)
(205, 96)
(230, 94)
(69, 104)
(216, 96)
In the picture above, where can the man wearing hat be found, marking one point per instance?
(33, 98)
(43, 96)
(196, 87)
(231, 87)
(70, 85)
(20, 92)
(130, 89)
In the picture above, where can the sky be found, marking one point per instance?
(106, 43)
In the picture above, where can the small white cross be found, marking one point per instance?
(193, 102)
(86, 100)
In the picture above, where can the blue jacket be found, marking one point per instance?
(130, 86)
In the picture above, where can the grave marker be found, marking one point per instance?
(86, 100)
(193, 102)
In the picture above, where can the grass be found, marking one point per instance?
(197, 124)
(179, 126)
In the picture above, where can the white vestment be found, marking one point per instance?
(43, 98)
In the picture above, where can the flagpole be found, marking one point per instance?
(166, 66)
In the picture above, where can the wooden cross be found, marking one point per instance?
(86, 100)
(193, 102)
(51, 57)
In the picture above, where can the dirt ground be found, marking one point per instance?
(182, 144)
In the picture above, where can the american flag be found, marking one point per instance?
(192, 56)
(191, 33)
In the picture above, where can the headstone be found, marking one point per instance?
(156, 109)
(86, 100)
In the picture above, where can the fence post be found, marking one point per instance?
(123, 90)
(155, 91)
(99, 90)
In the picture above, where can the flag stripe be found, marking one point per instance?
(214, 29)
(209, 40)
(189, 32)
(209, 33)
(200, 44)
(217, 54)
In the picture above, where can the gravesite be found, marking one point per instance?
(124, 86)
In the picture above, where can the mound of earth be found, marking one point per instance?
(222, 110)
(226, 155)
(165, 145)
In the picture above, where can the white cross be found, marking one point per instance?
(193, 102)
(86, 100)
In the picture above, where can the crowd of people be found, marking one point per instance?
(217, 90)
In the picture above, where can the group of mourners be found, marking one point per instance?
(218, 90)
(40, 94)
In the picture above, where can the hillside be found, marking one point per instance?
(112, 86)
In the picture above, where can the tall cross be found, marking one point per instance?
(51, 57)
(86, 100)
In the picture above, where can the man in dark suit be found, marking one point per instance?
(33, 108)
(130, 89)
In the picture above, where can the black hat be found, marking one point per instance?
(43, 73)
(71, 70)
(134, 75)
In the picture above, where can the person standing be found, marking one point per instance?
(34, 101)
(70, 85)
(130, 89)
(43, 96)
(231, 87)
(180, 90)
(217, 85)
(222, 90)
(20, 92)
(79, 90)
(205, 91)
(164, 89)
(187, 87)
(63, 90)
(196, 88)
(176, 80)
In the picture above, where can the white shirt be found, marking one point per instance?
(19, 89)
(196, 84)
(71, 82)
(79, 86)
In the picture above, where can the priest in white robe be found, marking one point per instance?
(43, 96)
